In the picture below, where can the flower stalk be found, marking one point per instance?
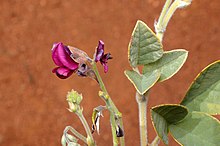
(90, 140)
(74, 99)
(76, 133)
(111, 107)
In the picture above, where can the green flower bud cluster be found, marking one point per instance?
(74, 99)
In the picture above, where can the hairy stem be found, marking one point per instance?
(165, 17)
(170, 13)
(142, 108)
(113, 109)
(159, 25)
(164, 11)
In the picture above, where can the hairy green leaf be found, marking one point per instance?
(204, 93)
(142, 83)
(197, 129)
(164, 115)
(144, 46)
(169, 64)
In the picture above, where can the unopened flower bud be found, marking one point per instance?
(74, 99)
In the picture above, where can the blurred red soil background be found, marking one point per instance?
(33, 107)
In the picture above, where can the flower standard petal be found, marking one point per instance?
(99, 51)
(64, 57)
(55, 55)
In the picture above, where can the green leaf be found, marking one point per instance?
(164, 115)
(142, 83)
(144, 46)
(197, 129)
(204, 93)
(169, 64)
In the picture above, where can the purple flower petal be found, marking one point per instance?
(55, 55)
(62, 72)
(106, 57)
(99, 51)
(64, 57)
(61, 56)
(105, 67)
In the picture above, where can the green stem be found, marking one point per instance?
(113, 124)
(165, 17)
(170, 13)
(142, 106)
(86, 126)
(122, 140)
(113, 109)
(76, 133)
(164, 11)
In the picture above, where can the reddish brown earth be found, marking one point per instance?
(32, 99)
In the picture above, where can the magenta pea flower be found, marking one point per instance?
(61, 57)
(100, 56)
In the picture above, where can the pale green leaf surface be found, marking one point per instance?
(204, 93)
(164, 115)
(197, 129)
(169, 64)
(142, 83)
(144, 46)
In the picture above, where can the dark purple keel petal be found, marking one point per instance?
(104, 61)
(63, 53)
(55, 55)
(106, 57)
(62, 72)
(99, 51)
